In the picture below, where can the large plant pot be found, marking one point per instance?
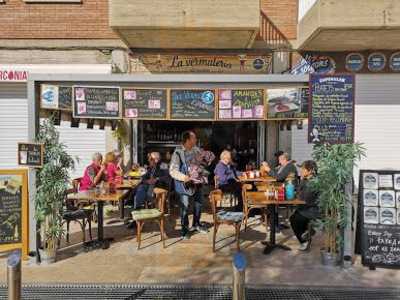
(329, 258)
(47, 256)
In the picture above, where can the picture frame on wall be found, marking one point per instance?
(387, 198)
(370, 181)
(371, 197)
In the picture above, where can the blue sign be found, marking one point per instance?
(315, 64)
(207, 97)
(331, 117)
(376, 62)
(354, 62)
(258, 64)
(395, 62)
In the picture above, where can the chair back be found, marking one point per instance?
(76, 182)
(161, 197)
(245, 188)
(215, 196)
(216, 182)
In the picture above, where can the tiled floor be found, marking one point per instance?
(193, 261)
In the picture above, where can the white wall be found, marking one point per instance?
(304, 6)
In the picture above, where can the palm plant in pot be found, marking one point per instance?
(335, 170)
(52, 183)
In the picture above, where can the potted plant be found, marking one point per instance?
(52, 183)
(335, 170)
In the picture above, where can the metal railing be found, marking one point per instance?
(271, 35)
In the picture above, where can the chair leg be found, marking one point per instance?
(139, 225)
(90, 227)
(215, 235)
(245, 222)
(83, 227)
(67, 237)
(162, 232)
(237, 233)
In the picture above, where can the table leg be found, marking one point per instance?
(100, 242)
(122, 209)
(272, 239)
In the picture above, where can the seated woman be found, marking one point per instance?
(93, 174)
(227, 177)
(310, 211)
(113, 167)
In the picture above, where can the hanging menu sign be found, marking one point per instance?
(14, 210)
(291, 103)
(144, 103)
(30, 154)
(65, 98)
(331, 117)
(246, 104)
(379, 222)
(96, 102)
(194, 104)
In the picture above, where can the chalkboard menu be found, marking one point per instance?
(65, 98)
(379, 218)
(331, 117)
(193, 104)
(56, 97)
(97, 102)
(290, 103)
(30, 154)
(144, 103)
(241, 104)
(13, 210)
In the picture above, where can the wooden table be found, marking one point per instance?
(259, 198)
(257, 179)
(127, 184)
(119, 196)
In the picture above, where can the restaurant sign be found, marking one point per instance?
(13, 75)
(176, 63)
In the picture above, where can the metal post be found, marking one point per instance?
(14, 275)
(239, 281)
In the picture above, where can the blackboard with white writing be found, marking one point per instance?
(246, 104)
(97, 102)
(10, 210)
(144, 103)
(65, 98)
(30, 154)
(193, 104)
(331, 117)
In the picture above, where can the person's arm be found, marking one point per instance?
(174, 169)
(220, 173)
(97, 177)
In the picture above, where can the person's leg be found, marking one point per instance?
(141, 194)
(198, 201)
(149, 193)
(184, 199)
(299, 225)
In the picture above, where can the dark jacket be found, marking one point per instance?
(282, 173)
(162, 176)
(310, 210)
(225, 173)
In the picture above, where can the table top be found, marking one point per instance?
(259, 198)
(128, 184)
(258, 179)
(119, 195)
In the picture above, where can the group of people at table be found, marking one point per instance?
(188, 168)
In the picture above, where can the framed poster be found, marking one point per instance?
(30, 154)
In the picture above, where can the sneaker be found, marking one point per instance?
(304, 246)
(199, 229)
(307, 235)
(186, 237)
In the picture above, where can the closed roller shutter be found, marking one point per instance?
(301, 149)
(377, 120)
(13, 122)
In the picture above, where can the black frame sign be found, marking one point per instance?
(241, 104)
(96, 102)
(331, 109)
(56, 97)
(30, 154)
(288, 103)
(379, 218)
(144, 103)
(192, 104)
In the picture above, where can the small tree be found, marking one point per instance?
(335, 170)
(52, 183)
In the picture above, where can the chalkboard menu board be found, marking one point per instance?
(331, 117)
(144, 103)
(65, 98)
(30, 154)
(245, 104)
(193, 104)
(56, 97)
(97, 102)
(290, 103)
(379, 218)
(13, 210)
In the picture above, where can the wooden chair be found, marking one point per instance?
(152, 214)
(231, 197)
(224, 217)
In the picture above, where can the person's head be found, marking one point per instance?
(110, 158)
(226, 157)
(154, 158)
(284, 159)
(308, 168)
(118, 154)
(189, 139)
(97, 158)
(168, 156)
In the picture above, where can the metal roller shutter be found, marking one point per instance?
(301, 149)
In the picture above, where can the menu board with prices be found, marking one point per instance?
(14, 210)
(247, 104)
(96, 102)
(30, 154)
(331, 117)
(289, 103)
(192, 104)
(379, 218)
(144, 103)
(56, 97)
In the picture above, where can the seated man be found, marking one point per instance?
(154, 177)
(284, 171)
(310, 211)
(93, 174)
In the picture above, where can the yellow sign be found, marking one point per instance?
(231, 64)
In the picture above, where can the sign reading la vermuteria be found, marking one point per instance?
(192, 104)
(290, 103)
(202, 63)
(14, 210)
(30, 154)
(144, 103)
(331, 117)
(241, 104)
(379, 218)
(96, 102)
(56, 97)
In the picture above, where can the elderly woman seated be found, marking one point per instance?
(227, 177)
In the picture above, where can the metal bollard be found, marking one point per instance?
(239, 281)
(14, 275)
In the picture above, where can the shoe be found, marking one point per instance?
(186, 237)
(199, 229)
(307, 235)
(131, 225)
(304, 246)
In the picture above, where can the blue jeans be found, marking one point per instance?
(184, 199)
(144, 193)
